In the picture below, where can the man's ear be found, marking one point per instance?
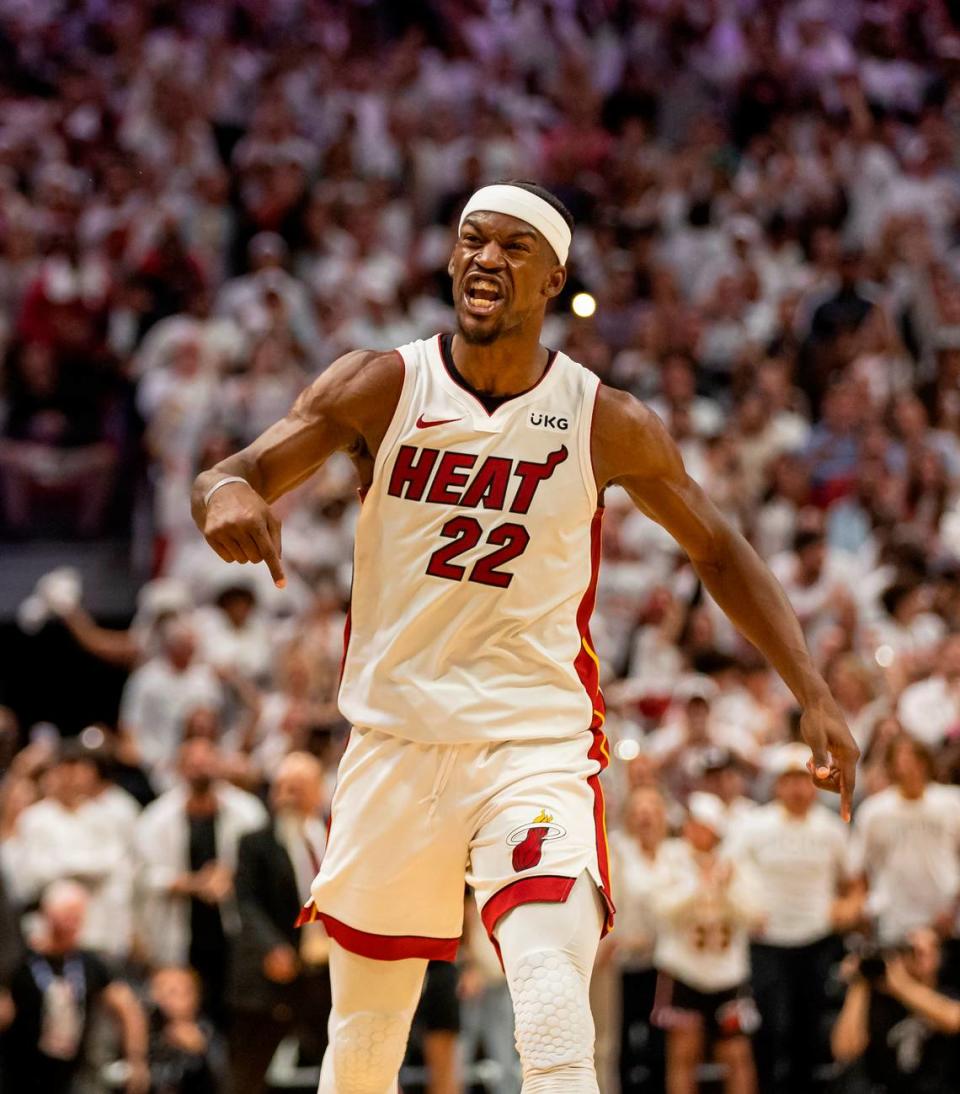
(450, 265)
(555, 282)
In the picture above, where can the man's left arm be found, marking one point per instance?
(120, 999)
(632, 448)
(939, 1010)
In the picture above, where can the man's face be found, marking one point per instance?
(297, 789)
(646, 813)
(199, 763)
(907, 767)
(796, 792)
(65, 920)
(504, 273)
(923, 957)
(175, 993)
(700, 836)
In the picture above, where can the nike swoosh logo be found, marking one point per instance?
(422, 422)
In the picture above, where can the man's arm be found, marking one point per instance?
(347, 408)
(121, 1001)
(940, 1011)
(850, 1035)
(632, 449)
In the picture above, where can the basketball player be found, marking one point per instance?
(469, 675)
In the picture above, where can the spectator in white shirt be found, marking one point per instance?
(159, 696)
(73, 834)
(907, 846)
(798, 849)
(186, 846)
(930, 708)
(233, 635)
(706, 904)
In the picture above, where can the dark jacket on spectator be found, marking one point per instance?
(268, 903)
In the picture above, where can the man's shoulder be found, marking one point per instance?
(247, 807)
(168, 804)
(884, 801)
(751, 824)
(259, 839)
(930, 688)
(42, 814)
(829, 822)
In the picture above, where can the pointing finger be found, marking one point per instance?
(268, 553)
(848, 780)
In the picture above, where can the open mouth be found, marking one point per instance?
(482, 296)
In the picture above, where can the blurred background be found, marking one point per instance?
(202, 204)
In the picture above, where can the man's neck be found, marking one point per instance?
(202, 804)
(509, 366)
(649, 845)
(912, 793)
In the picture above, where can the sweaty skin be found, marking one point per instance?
(350, 406)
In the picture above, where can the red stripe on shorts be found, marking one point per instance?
(381, 947)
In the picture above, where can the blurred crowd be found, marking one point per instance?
(201, 205)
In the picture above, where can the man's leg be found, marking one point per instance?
(773, 992)
(685, 1047)
(373, 1006)
(737, 1054)
(548, 952)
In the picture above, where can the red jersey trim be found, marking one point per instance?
(381, 947)
(587, 666)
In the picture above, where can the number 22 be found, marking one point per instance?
(511, 540)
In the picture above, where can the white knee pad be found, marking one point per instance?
(373, 1005)
(368, 1049)
(548, 952)
(551, 1002)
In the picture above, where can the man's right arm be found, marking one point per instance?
(347, 408)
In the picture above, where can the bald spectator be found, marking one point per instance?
(56, 992)
(186, 847)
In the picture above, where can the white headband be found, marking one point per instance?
(514, 201)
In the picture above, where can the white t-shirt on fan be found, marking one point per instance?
(702, 929)
(800, 862)
(910, 852)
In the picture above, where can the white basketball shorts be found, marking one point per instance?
(411, 823)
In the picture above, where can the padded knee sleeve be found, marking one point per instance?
(551, 1002)
(373, 1006)
(548, 952)
(368, 1049)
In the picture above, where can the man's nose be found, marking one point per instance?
(490, 255)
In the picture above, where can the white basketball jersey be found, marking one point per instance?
(475, 563)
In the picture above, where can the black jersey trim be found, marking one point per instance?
(490, 403)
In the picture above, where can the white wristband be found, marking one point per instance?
(216, 486)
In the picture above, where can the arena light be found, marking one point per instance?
(583, 305)
(884, 656)
(92, 737)
(627, 749)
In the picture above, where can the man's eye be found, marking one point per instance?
(470, 239)
(519, 247)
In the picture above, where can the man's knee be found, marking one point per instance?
(551, 1002)
(368, 1049)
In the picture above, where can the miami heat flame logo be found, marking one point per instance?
(527, 841)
